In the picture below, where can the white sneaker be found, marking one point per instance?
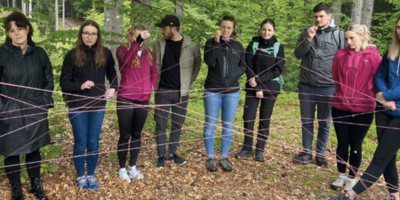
(123, 175)
(339, 182)
(135, 173)
(350, 183)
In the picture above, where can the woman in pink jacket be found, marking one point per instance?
(138, 78)
(353, 103)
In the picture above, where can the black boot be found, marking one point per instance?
(37, 189)
(17, 193)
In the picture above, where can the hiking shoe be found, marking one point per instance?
(123, 175)
(321, 161)
(350, 183)
(16, 191)
(176, 159)
(302, 158)
(243, 153)
(339, 182)
(210, 165)
(225, 164)
(340, 197)
(259, 156)
(82, 183)
(37, 189)
(135, 173)
(92, 182)
(161, 162)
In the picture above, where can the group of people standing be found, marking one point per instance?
(345, 66)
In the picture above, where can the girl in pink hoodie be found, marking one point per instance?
(353, 103)
(138, 78)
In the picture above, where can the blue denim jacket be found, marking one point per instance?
(387, 81)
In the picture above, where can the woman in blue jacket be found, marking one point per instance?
(387, 83)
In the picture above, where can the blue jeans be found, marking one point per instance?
(311, 97)
(86, 126)
(227, 103)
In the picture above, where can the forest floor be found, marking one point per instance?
(275, 179)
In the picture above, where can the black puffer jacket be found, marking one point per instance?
(23, 111)
(226, 63)
(72, 77)
(264, 65)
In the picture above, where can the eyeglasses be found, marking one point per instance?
(88, 34)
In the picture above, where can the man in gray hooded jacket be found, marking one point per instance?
(316, 47)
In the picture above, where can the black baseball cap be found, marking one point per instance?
(169, 20)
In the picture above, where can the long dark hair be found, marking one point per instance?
(99, 55)
(20, 21)
(231, 19)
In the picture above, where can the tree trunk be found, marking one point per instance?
(56, 13)
(179, 12)
(14, 3)
(337, 11)
(356, 11)
(23, 6)
(366, 16)
(30, 8)
(113, 21)
(63, 13)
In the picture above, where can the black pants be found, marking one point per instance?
(14, 172)
(177, 105)
(249, 116)
(131, 118)
(384, 161)
(350, 131)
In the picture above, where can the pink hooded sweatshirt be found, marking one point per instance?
(353, 74)
(137, 83)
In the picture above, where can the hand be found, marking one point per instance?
(311, 31)
(260, 94)
(109, 93)
(145, 34)
(217, 35)
(87, 85)
(390, 105)
(252, 82)
(380, 98)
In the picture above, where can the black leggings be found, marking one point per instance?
(131, 119)
(249, 115)
(14, 172)
(384, 161)
(351, 129)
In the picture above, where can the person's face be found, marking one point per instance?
(398, 29)
(353, 40)
(267, 31)
(167, 32)
(226, 29)
(90, 35)
(322, 19)
(18, 35)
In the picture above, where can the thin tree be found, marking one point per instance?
(366, 14)
(356, 11)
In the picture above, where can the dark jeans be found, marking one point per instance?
(311, 97)
(86, 126)
(131, 119)
(384, 161)
(249, 116)
(177, 106)
(14, 172)
(350, 132)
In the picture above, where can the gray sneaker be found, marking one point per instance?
(259, 156)
(225, 164)
(210, 165)
(340, 197)
(243, 153)
(302, 158)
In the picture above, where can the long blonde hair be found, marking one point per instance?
(394, 47)
(361, 30)
(130, 32)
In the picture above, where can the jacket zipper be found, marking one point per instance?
(225, 68)
(355, 80)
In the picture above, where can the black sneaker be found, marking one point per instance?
(210, 165)
(225, 164)
(302, 158)
(176, 159)
(17, 193)
(161, 162)
(321, 161)
(37, 189)
(243, 153)
(259, 156)
(340, 197)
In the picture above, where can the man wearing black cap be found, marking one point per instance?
(178, 62)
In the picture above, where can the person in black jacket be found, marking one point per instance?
(82, 81)
(24, 127)
(226, 63)
(265, 61)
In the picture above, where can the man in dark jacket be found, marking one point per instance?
(316, 47)
(178, 63)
